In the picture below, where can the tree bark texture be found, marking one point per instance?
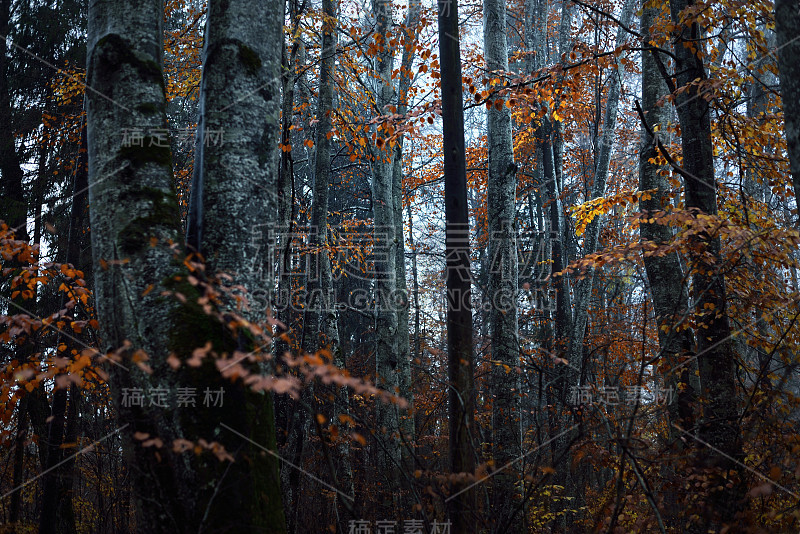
(503, 279)
(134, 216)
(386, 242)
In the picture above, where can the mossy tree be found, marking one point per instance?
(137, 246)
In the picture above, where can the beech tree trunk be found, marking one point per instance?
(132, 199)
(386, 242)
(403, 334)
(666, 276)
(324, 332)
(461, 393)
(134, 217)
(720, 425)
(667, 279)
(503, 281)
(234, 189)
(787, 26)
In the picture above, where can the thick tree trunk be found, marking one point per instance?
(787, 26)
(461, 397)
(665, 274)
(503, 278)
(132, 199)
(234, 187)
(720, 427)
(134, 216)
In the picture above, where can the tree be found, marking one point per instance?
(409, 41)
(665, 274)
(134, 219)
(459, 311)
(720, 424)
(787, 19)
(324, 332)
(503, 275)
(386, 243)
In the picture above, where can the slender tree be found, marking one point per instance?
(323, 332)
(409, 34)
(461, 395)
(666, 276)
(720, 429)
(386, 324)
(503, 277)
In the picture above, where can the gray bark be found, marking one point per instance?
(132, 198)
(403, 334)
(386, 326)
(666, 277)
(665, 274)
(787, 22)
(583, 289)
(132, 201)
(234, 187)
(564, 46)
(503, 279)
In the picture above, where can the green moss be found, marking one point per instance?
(113, 50)
(192, 326)
(148, 107)
(162, 208)
(257, 498)
(267, 503)
(139, 155)
(249, 59)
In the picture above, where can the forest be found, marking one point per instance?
(399, 266)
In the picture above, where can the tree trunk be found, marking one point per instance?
(503, 278)
(324, 333)
(131, 199)
(665, 274)
(134, 216)
(787, 22)
(235, 203)
(13, 208)
(583, 289)
(18, 472)
(386, 327)
(403, 336)
(461, 394)
(63, 421)
(720, 426)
